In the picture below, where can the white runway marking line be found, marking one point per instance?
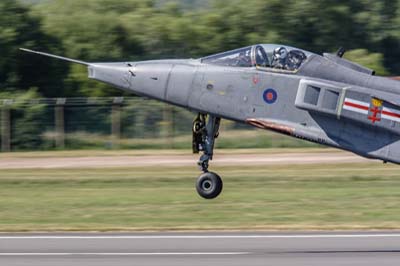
(125, 254)
(38, 237)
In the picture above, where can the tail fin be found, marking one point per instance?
(56, 56)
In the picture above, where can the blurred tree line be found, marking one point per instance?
(130, 30)
(102, 30)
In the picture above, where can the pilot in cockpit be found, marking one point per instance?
(279, 58)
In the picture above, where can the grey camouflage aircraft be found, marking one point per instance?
(323, 99)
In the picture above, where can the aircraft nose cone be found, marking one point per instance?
(115, 74)
(150, 79)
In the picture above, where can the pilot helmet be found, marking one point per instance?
(280, 52)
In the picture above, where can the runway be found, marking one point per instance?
(218, 248)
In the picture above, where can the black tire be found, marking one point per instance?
(209, 185)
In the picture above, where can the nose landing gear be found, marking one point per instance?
(205, 131)
(209, 185)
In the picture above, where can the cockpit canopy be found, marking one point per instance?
(262, 55)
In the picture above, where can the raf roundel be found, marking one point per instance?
(270, 96)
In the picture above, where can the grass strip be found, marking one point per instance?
(348, 196)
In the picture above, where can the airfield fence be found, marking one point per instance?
(111, 123)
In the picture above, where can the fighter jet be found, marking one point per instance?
(324, 99)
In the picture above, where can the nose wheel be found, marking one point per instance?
(209, 185)
(205, 131)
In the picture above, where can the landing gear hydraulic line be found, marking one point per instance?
(205, 131)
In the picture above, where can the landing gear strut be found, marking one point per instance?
(205, 131)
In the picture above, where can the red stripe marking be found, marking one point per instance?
(357, 106)
(391, 114)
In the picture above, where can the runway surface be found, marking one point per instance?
(181, 160)
(223, 249)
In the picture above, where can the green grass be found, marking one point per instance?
(348, 196)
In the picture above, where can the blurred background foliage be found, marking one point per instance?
(131, 30)
(102, 30)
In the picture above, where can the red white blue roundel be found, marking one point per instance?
(270, 96)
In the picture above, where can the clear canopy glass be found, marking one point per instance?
(239, 58)
(262, 55)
